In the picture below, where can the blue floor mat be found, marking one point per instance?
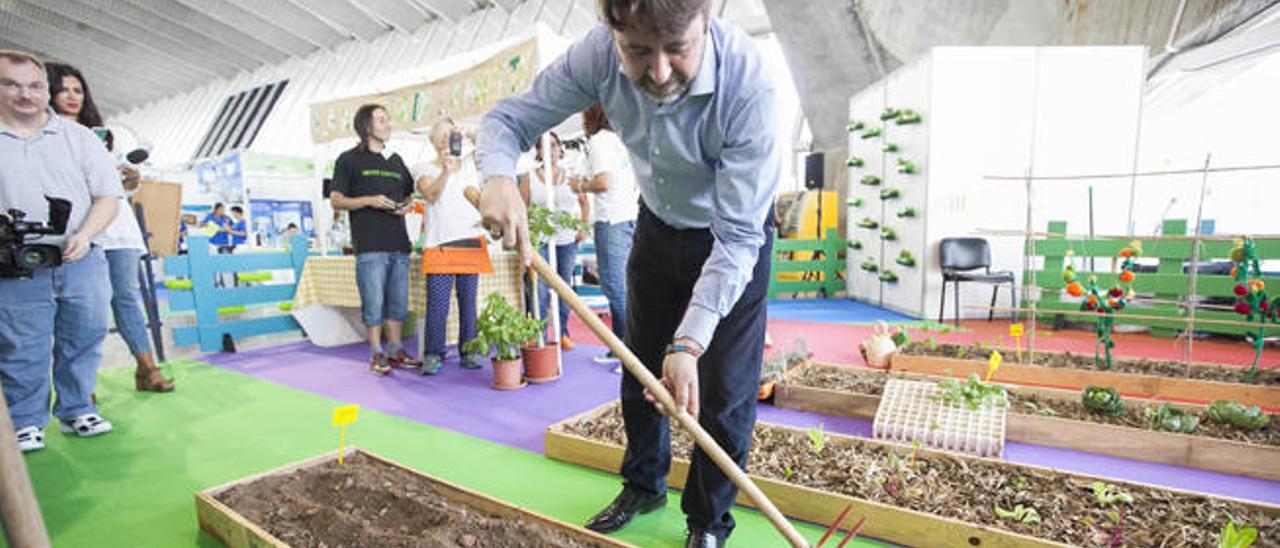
(832, 311)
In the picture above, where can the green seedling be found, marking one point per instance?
(972, 393)
(818, 438)
(1107, 494)
(787, 473)
(1168, 418)
(1021, 514)
(1104, 401)
(1237, 415)
(1233, 537)
(1041, 409)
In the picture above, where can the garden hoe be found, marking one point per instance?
(632, 363)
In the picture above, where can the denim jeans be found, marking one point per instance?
(59, 315)
(566, 258)
(613, 246)
(126, 302)
(383, 280)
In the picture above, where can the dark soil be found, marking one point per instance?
(968, 489)
(367, 503)
(847, 379)
(1159, 368)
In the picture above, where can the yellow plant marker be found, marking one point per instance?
(993, 364)
(1015, 331)
(343, 416)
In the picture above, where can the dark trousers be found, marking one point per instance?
(663, 267)
(437, 311)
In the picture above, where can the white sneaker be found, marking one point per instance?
(605, 358)
(86, 426)
(30, 439)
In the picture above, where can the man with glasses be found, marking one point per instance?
(59, 314)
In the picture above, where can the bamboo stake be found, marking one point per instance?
(1195, 268)
(1117, 237)
(1030, 248)
(19, 511)
(642, 374)
(1131, 316)
(1136, 174)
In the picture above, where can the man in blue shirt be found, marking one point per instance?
(689, 97)
(239, 228)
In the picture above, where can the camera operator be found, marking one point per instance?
(59, 314)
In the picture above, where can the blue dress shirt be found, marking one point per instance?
(707, 159)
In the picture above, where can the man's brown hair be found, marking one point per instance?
(21, 57)
(665, 18)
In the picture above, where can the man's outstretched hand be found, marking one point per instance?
(503, 213)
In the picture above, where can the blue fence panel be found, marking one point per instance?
(202, 267)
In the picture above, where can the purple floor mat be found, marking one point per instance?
(461, 400)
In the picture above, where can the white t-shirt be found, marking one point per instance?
(123, 232)
(452, 217)
(565, 200)
(622, 201)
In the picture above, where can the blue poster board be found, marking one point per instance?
(271, 219)
(222, 177)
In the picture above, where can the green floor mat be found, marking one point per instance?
(133, 487)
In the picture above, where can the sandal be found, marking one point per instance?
(87, 425)
(30, 439)
(378, 364)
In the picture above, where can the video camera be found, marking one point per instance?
(18, 259)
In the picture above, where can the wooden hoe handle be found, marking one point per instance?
(632, 363)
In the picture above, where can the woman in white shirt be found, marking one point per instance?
(122, 240)
(454, 252)
(534, 189)
(614, 205)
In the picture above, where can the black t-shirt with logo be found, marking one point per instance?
(360, 173)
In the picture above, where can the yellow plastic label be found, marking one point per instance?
(993, 364)
(345, 415)
(1015, 330)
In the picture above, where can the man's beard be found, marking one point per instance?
(650, 90)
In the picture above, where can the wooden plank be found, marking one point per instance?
(884, 521)
(1128, 384)
(235, 531)
(827, 402)
(1205, 453)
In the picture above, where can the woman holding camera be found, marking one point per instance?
(454, 252)
(122, 240)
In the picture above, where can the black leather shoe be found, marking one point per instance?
(702, 539)
(627, 504)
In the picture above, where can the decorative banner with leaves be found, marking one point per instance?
(1251, 296)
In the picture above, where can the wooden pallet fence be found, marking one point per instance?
(205, 299)
(828, 271)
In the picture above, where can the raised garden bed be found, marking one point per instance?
(371, 501)
(1057, 418)
(927, 498)
(1142, 378)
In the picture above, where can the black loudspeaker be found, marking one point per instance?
(813, 170)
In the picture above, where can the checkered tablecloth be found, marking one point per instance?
(331, 281)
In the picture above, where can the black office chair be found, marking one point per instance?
(961, 256)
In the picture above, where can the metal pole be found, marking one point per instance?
(19, 511)
(553, 305)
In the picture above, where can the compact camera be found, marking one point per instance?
(19, 259)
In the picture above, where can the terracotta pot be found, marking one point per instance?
(766, 390)
(540, 363)
(506, 375)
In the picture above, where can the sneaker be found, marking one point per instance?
(403, 359)
(565, 343)
(30, 439)
(471, 361)
(86, 425)
(378, 364)
(605, 358)
(431, 364)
